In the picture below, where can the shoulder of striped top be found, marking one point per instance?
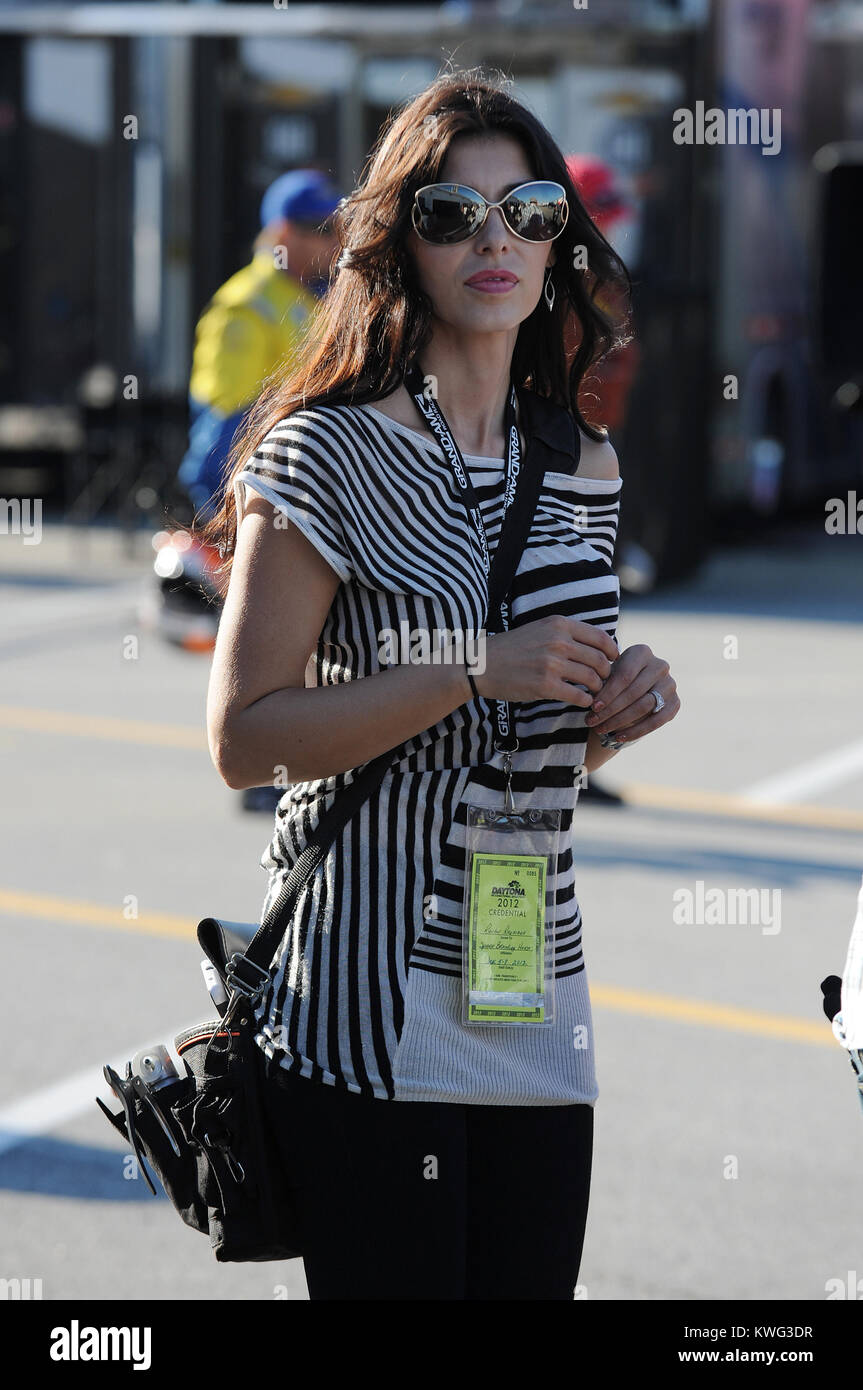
(309, 416)
(593, 484)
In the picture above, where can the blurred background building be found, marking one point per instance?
(136, 141)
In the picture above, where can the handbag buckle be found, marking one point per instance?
(241, 979)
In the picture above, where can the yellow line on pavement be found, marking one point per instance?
(102, 726)
(722, 804)
(783, 1028)
(646, 794)
(96, 915)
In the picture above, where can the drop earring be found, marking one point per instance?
(548, 290)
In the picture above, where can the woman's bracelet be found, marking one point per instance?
(476, 694)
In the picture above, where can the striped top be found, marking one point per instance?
(365, 988)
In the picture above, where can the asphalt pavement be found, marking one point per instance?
(728, 1132)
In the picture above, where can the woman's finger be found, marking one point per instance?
(580, 654)
(623, 671)
(638, 709)
(646, 726)
(629, 703)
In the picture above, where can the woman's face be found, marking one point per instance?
(492, 165)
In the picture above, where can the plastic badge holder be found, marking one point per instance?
(508, 917)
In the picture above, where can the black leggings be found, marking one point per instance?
(433, 1200)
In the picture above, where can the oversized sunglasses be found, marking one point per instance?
(445, 213)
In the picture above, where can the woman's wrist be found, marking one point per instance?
(596, 753)
(464, 681)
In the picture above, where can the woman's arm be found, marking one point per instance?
(596, 754)
(260, 716)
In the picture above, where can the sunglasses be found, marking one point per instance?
(445, 213)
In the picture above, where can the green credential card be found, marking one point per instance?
(506, 938)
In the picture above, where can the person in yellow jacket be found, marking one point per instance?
(255, 321)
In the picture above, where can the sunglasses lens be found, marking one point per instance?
(537, 211)
(446, 213)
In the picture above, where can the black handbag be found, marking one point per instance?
(205, 1134)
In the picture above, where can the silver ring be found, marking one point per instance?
(660, 703)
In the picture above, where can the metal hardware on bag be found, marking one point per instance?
(224, 1030)
(238, 985)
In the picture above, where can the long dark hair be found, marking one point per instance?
(374, 317)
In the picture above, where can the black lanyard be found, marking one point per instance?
(428, 407)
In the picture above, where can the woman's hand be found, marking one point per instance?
(624, 707)
(548, 659)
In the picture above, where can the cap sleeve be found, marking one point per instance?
(598, 512)
(295, 469)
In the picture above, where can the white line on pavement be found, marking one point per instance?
(53, 1106)
(828, 770)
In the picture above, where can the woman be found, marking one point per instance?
(431, 1158)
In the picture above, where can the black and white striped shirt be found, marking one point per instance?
(365, 988)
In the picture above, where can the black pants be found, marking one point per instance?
(432, 1200)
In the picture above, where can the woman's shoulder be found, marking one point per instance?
(598, 458)
(319, 439)
(317, 421)
(319, 449)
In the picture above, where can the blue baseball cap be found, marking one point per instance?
(304, 195)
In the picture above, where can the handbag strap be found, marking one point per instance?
(507, 556)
